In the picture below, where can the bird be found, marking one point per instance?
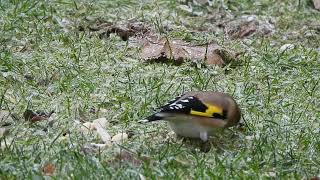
(199, 114)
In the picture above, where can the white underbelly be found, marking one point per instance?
(188, 129)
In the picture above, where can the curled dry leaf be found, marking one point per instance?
(178, 51)
(246, 26)
(120, 137)
(123, 30)
(49, 169)
(31, 116)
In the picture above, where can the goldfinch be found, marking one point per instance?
(199, 114)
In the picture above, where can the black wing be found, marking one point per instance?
(185, 105)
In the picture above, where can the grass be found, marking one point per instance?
(46, 66)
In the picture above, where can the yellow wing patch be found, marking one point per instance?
(209, 112)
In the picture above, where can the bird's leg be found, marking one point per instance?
(204, 136)
(205, 144)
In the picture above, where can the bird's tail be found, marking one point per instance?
(154, 117)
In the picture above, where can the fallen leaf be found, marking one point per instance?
(316, 4)
(246, 26)
(31, 116)
(49, 169)
(123, 30)
(119, 138)
(178, 51)
(315, 178)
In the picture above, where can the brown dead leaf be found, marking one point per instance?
(245, 29)
(178, 51)
(246, 26)
(316, 4)
(123, 30)
(31, 116)
(49, 169)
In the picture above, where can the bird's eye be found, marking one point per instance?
(220, 116)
